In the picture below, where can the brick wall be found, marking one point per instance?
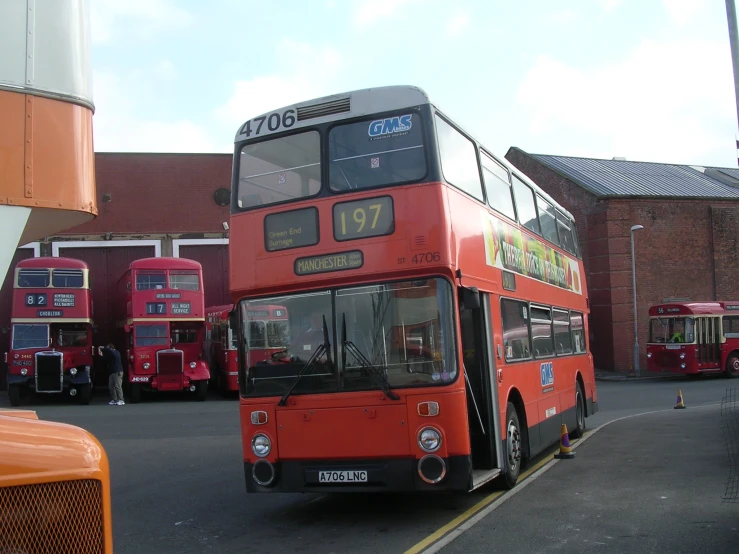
(158, 193)
(687, 249)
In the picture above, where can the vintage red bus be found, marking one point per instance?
(269, 336)
(161, 318)
(51, 330)
(436, 300)
(693, 338)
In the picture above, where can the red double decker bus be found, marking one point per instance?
(693, 338)
(161, 315)
(437, 310)
(269, 338)
(51, 330)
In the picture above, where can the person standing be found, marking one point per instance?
(112, 359)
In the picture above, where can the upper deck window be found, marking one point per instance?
(375, 153)
(68, 278)
(498, 186)
(458, 159)
(279, 170)
(564, 226)
(184, 280)
(151, 280)
(525, 205)
(33, 278)
(548, 220)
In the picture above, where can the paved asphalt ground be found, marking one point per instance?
(178, 485)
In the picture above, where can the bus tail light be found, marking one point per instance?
(428, 409)
(258, 418)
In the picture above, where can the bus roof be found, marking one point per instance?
(358, 103)
(165, 263)
(694, 308)
(52, 263)
(354, 103)
(222, 311)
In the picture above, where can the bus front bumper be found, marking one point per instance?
(389, 475)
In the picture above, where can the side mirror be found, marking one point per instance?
(471, 298)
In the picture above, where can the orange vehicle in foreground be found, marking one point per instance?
(161, 315)
(54, 487)
(693, 338)
(435, 295)
(51, 330)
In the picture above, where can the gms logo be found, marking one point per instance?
(390, 125)
(547, 374)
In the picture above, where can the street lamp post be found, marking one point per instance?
(633, 277)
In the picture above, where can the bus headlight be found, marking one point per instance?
(429, 439)
(193, 365)
(261, 445)
(146, 365)
(682, 365)
(24, 371)
(73, 371)
(649, 354)
(682, 356)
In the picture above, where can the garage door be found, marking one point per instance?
(6, 301)
(214, 259)
(107, 265)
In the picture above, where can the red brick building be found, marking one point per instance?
(149, 205)
(688, 248)
(176, 204)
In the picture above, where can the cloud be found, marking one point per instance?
(368, 12)
(303, 71)
(142, 18)
(458, 23)
(657, 104)
(610, 5)
(683, 11)
(117, 127)
(565, 16)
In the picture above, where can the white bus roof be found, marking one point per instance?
(359, 103)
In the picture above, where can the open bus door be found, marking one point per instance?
(708, 334)
(481, 385)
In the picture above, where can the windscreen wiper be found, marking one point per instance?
(324, 348)
(349, 346)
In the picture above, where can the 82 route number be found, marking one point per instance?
(274, 122)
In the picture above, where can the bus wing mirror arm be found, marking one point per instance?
(471, 298)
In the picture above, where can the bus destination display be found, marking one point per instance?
(370, 217)
(329, 262)
(291, 229)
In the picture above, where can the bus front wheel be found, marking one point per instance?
(14, 395)
(514, 447)
(732, 365)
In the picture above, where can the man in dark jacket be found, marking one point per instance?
(112, 359)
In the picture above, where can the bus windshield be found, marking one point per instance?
(400, 333)
(30, 336)
(671, 329)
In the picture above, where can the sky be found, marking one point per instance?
(648, 80)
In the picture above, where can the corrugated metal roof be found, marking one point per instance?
(606, 178)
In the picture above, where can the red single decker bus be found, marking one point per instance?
(161, 314)
(694, 338)
(435, 300)
(269, 337)
(51, 329)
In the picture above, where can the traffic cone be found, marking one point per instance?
(680, 404)
(565, 451)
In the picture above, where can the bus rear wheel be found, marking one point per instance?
(514, 448)
(579, 429)
(732, 365)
